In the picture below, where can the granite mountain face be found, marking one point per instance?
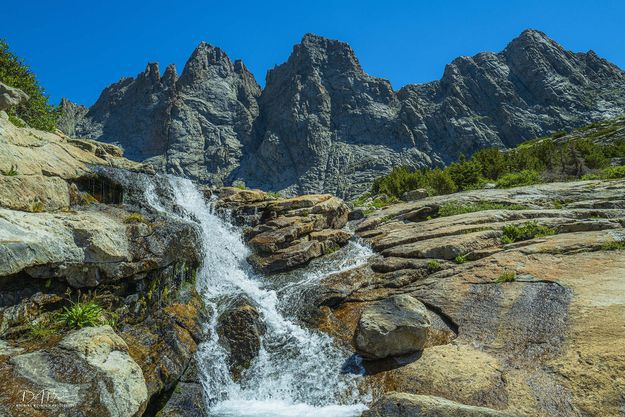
(321, 124)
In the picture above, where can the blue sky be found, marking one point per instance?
(77, 48)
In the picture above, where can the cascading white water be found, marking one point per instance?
(298, 371)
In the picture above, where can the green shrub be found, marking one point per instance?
(592, 154)
(16, 121)
(434, 265)
(11, 172)
(515, 233)
(452, 209)
(466, 175)
(614, 245)
(525, 177)
(506, 276)
(440, 182)
(460, 259)
(360, 201)
(610, 173)
(558, 134)
(82, 314)
(37, 111)
(492, 161)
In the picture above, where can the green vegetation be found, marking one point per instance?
(516, 233)
(460, 259)
(37, 207)
(41, 329)
(517, 179)
(535, 161)
(82, 314)
(452, 209)
(135, 218)
(434, 265)
(614, 245)
(37, 111)
(17, 121)
(11, 172)
(273, 194)
(610, 173)
(506, 276)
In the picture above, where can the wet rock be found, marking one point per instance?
(396, 326)
(240, 329)
(187, 398)
(407, 405)
(356, 214)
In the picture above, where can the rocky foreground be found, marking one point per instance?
(471, 315)
(76, 229)
(481, 303)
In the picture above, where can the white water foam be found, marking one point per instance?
(298, 371)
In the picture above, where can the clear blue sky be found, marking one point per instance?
(79, 47)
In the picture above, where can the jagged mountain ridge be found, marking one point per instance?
(321, 124)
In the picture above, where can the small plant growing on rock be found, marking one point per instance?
(41, 329)
(614, 245)
(82, 314)
(434, 265)
(506, 276)
(37, 207)
(11, 172)
(515, 233)
(135, 218)
(460, 259)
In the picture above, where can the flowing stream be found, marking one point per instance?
(298, 371)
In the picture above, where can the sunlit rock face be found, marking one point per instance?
(323, 125)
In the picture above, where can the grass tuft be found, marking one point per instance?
(11, 172)
(506, 276)
(516, 233)
(82, 314)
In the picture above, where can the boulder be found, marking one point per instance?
(395, 326)
(413, 195)
(11, 97)
(89, 373)
(240, 330)
(397, 404)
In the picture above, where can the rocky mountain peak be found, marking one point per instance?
(318, 54)
(322, 124)
(207, 60)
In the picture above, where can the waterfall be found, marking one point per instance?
(298, 371)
